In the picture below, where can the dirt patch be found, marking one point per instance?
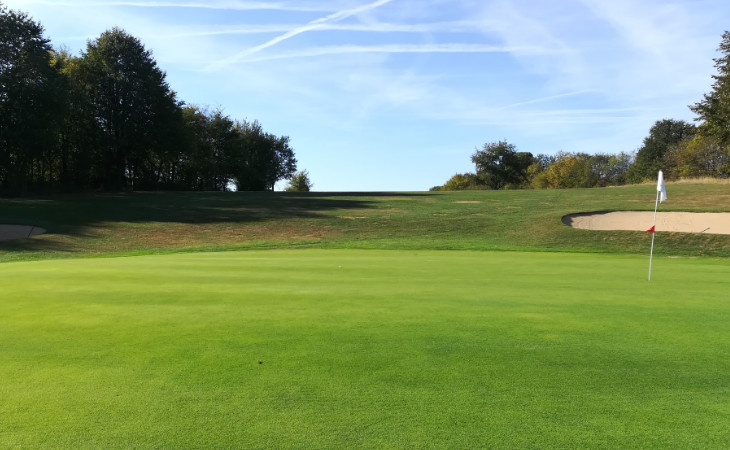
(683, 222)
(12, 232)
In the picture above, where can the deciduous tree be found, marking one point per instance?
(714, 109)
(265, 158)
(498, 164)
(30, 102)
(662, 136)
(108, 119)
(129, 104)
(460, 182)
(571, 171)
(700, 156)
(299, 182)
(611, 170)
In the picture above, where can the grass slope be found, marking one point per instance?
(81, 225)
(374, 349)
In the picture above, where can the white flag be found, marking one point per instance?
(660, 187)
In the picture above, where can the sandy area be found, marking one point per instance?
(712, 223)
(10, 232)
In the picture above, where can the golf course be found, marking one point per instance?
(471, 319)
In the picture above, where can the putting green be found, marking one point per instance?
(342, 348)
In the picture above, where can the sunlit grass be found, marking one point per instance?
(368, 349)
(82, 225)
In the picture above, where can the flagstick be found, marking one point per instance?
(651, 255)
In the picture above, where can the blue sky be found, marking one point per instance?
(396, 94)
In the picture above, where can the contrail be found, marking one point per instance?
(232, 5)
(552, 97)
(393, 48)
(313, 25)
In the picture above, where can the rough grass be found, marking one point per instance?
(134, 223)
(367, 349)
(703, 180)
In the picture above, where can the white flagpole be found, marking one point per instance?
(651, 255)
(661, 195)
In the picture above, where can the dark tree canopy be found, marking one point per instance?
(663, 135)
(30, 101)
(108, 120)
(499, 164)
(266, 159)
(714, 109)
(214, 146)
(130, 107)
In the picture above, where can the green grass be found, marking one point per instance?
(380, 320)
(134, 223)
(368, 349)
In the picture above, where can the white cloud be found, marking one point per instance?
(219, 5)
(371, 27)
(388, 48)
(313, 25)
(657, 40)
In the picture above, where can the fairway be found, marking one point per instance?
(376, 349)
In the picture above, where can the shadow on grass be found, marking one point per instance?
(35, 245)
(73, 215)
(366, 194)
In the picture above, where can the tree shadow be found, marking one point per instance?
(73, 215)
(370, 194)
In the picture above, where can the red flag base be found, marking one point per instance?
(650, 230)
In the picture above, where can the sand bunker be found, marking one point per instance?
(10, 232)
(684, 222)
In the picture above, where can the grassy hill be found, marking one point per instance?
(360, 330)
(140, 223)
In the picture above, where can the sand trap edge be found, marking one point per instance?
(681, 222)
(13, 232)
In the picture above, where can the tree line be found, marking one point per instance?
(679, 148)
(108, 120)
